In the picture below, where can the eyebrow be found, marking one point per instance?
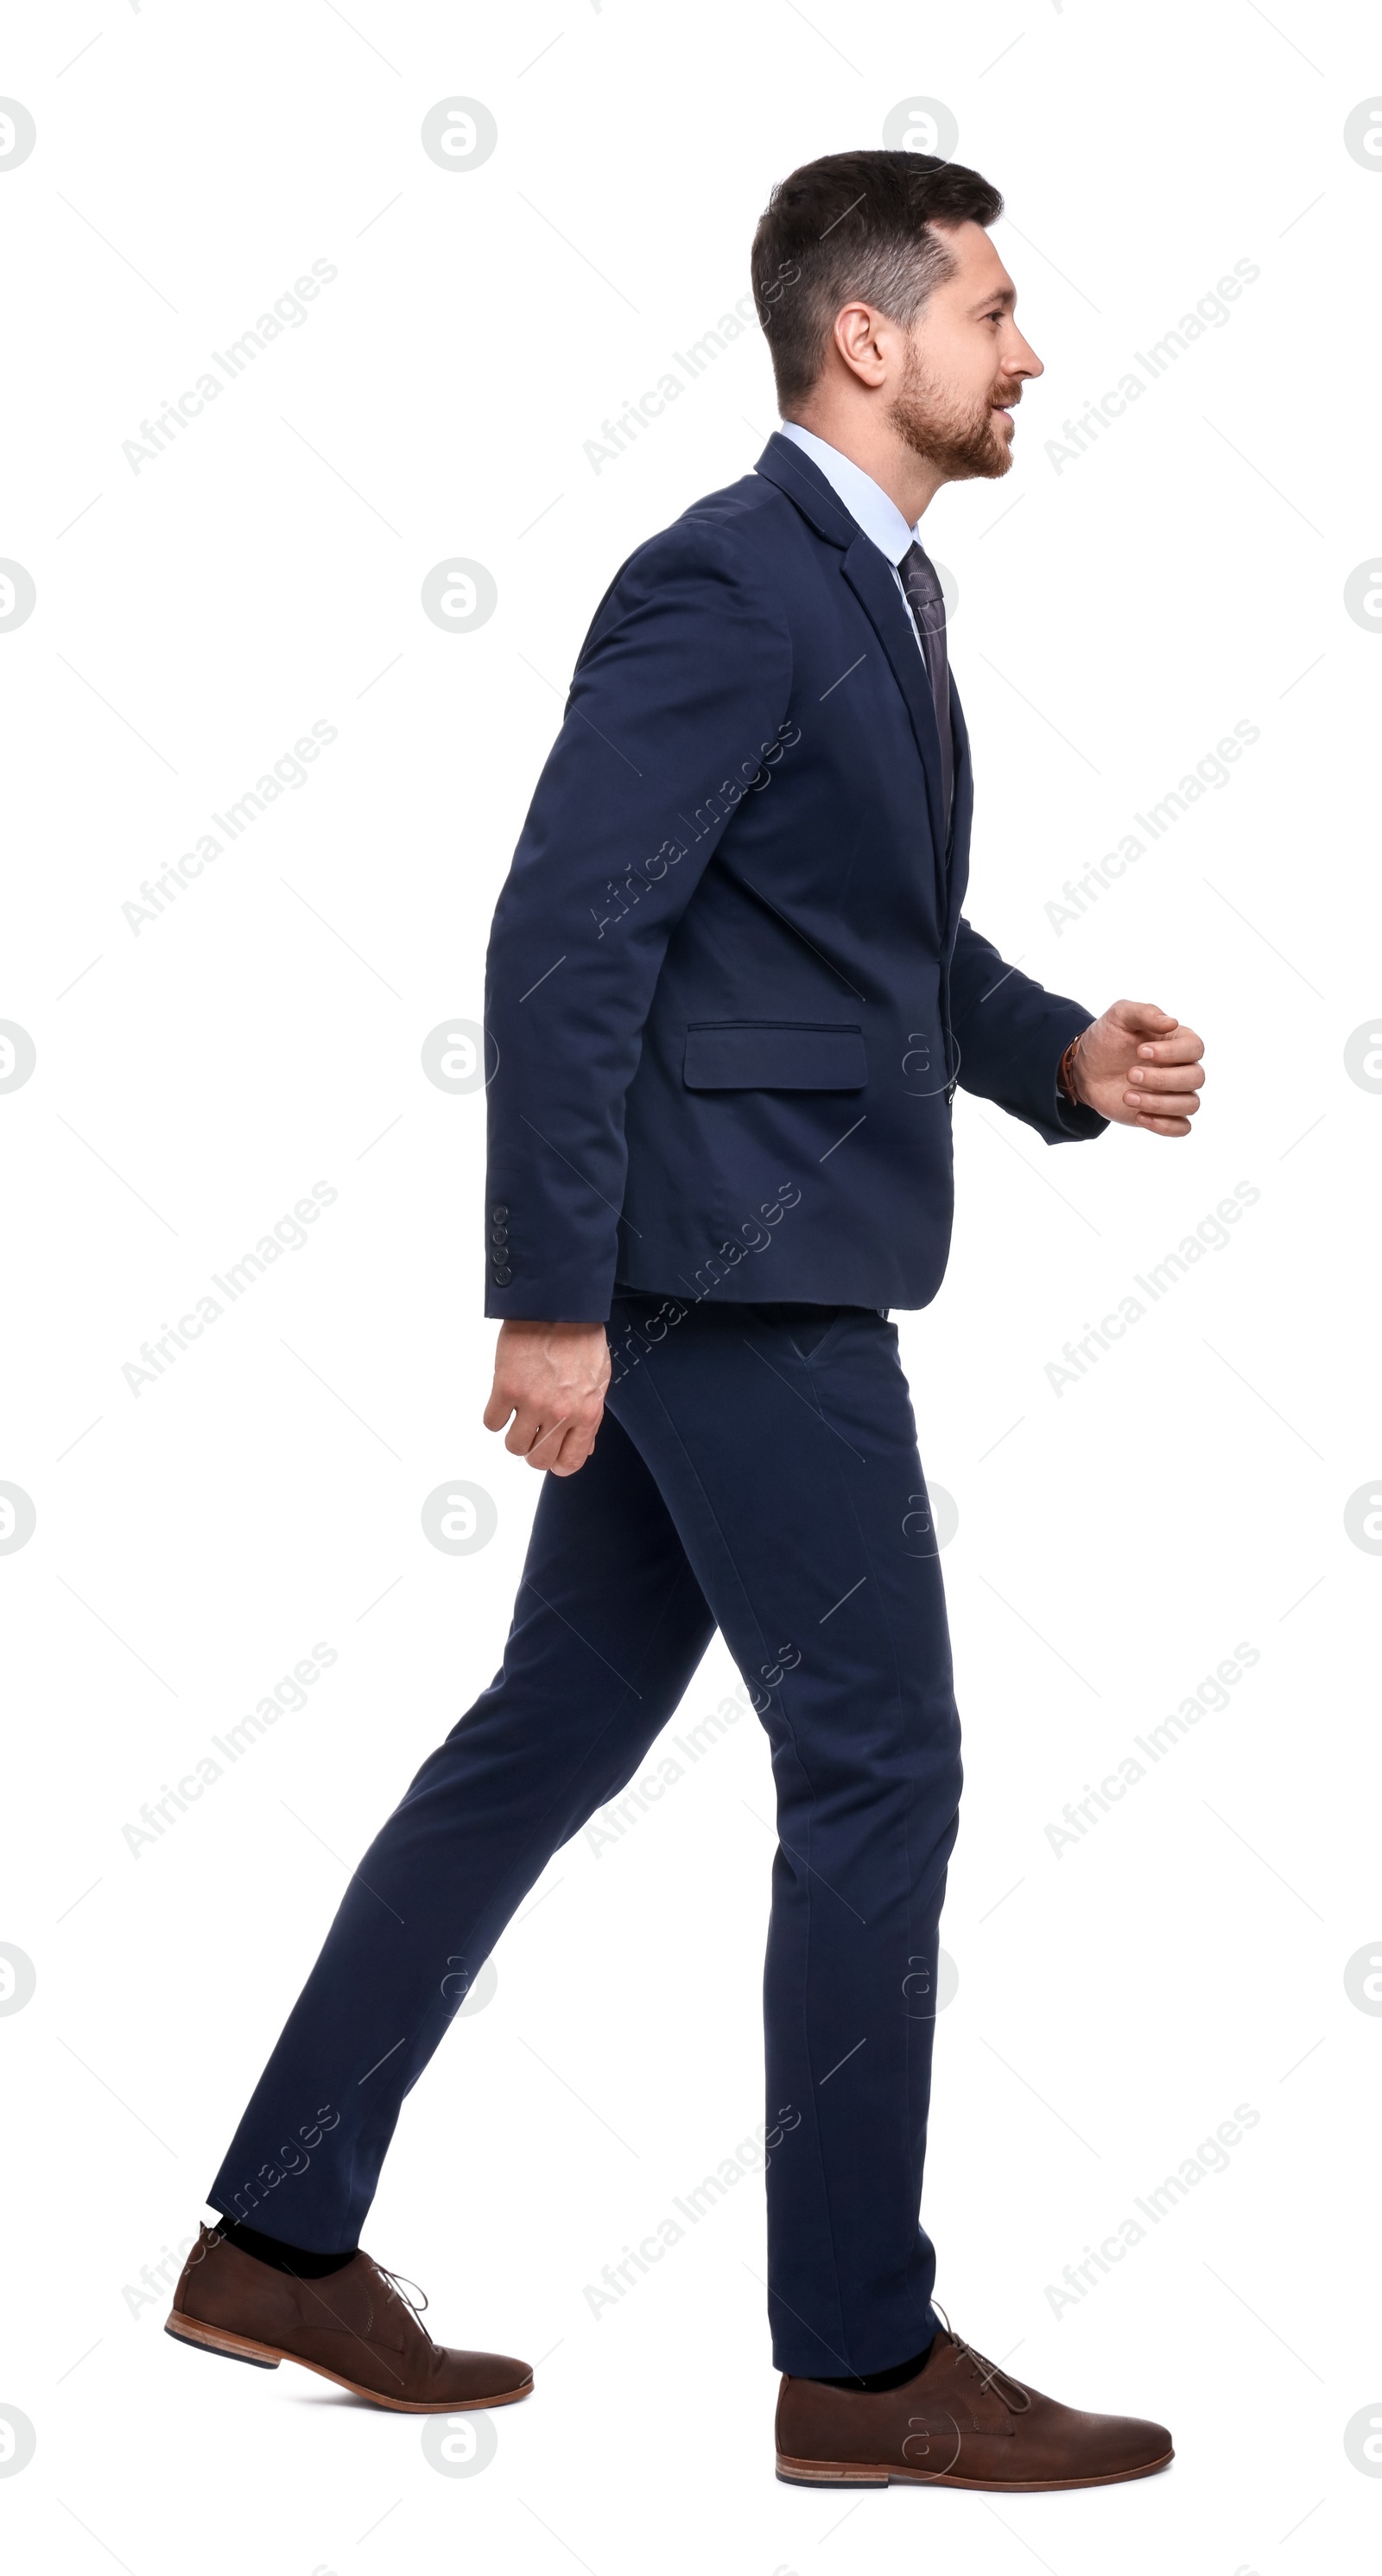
(1001, 295)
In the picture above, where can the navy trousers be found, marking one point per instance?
(756, 1471)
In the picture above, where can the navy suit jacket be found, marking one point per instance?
(730, 990)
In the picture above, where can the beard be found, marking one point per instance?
(963, 439)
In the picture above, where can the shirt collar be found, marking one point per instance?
(865, 500)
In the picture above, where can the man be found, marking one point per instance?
(730, 995)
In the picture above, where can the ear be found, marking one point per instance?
(860, 336)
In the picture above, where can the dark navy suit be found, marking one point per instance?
(730, 992)
(732, 935)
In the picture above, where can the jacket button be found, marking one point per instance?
(502, 1278)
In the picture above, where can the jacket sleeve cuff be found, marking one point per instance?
(555, 1299)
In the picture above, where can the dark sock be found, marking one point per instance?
(874, 2381)
(296, 2259)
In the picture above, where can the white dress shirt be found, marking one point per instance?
(867, 503)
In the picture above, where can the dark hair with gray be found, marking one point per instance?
(855, 224)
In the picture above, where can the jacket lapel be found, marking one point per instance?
(870, 577)
(961, 816)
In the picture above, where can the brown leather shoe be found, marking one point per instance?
(961, 2422)
(355, 2327)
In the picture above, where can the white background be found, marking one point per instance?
(1116, 1539)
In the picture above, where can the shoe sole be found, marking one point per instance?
(267, 2356)
(844, 2473)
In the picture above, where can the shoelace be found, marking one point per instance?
(400, 2285)
(990, 2372)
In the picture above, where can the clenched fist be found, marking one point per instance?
(551, 1378)
(1139, 1067)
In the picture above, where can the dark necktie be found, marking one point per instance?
(927, 603)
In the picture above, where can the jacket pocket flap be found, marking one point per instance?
(774, 1056)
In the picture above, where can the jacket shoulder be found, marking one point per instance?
(721, 557)
(734, 529)
(753, 506)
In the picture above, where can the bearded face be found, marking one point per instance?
(966, 438)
